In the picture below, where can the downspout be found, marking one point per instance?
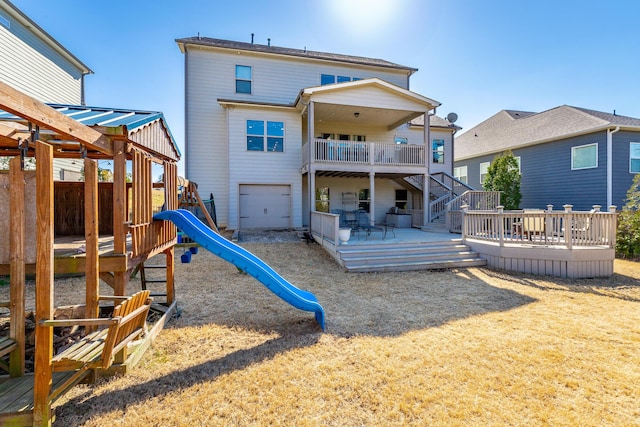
(610, 164)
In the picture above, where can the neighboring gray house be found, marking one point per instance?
(275, 133)
(567, 155)
(36, 64)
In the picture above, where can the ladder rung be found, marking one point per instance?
(155, 266)
(155, 281)
(157, 295)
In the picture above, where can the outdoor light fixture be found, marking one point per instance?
(356, 114)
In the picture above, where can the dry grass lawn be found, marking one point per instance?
(464, 347)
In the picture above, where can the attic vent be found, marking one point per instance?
(5, 22)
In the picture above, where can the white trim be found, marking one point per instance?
(573, 149)
(631, 143)
(486, 173)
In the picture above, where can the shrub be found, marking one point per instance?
(504, 176)
(628, 235)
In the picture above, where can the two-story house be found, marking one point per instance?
(274, 133)
(567, 155)
(33, 62)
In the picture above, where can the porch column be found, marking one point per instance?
(425, 200)
(372, 197)
(311, 181)
(426, 218)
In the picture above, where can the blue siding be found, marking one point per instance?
(547, 177)
(622, 178)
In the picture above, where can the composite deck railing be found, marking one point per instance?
(474, 200)
(364, 153)
(566, 228)
(325, 226)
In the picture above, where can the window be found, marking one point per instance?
(519, 163)
(584, 157)
(634, 157)
(256, 136)
(460, 173)
(364, 199)
(401, 140)
(359, 138)
(243, 79)
(327, 79)
(438, 150)
(484, 171)
(322, 199)
(402, 199)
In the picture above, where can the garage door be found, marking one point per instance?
(265, 206)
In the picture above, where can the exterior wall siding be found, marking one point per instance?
(28, 64)
(547, 177)
(210, 76)
(622, 177)
(384, 193)
(258, 167)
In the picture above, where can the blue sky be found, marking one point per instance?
(475, 57)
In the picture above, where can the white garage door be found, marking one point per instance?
(265, 206)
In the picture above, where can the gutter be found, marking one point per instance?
(610, 133)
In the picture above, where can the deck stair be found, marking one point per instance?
(409, 256)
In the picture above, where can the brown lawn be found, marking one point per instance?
(464, 347)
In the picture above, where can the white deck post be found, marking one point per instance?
(568, 226)
(311, 182)
(425, 200)
(501, 224)
(372, 198)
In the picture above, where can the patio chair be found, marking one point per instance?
(364, 223)
(533, 225)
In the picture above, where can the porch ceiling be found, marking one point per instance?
(365, 116)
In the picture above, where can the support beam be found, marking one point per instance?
(171, 292)
(22, 105)
(372, 197)
(44, 285)
(17, 253)
(92, 263)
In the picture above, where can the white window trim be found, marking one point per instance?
(486, 173)
(460, 175)
(584, 146)
(631, 144)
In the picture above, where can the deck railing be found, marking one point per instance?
(364, 153)
(325, 226)
(474, 200)
(566, 228)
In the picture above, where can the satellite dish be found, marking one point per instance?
(452, 117)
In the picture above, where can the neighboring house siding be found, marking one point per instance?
(257, 167)
(31, 66)
(622, 178)
(547, 177)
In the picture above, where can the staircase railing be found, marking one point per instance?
(475, 200)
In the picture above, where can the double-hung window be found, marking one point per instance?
(438, 150)
(634, 157)
(484, 171)
(243, 79)
(460, 173)
(259, 131)
(584, 157)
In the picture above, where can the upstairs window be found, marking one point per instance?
(584, 157)
(243, 79)
(484, 171)
(438, 150)
(259, 131)
(342, 79)
(634, 157)
(4, 21)
(327, 79)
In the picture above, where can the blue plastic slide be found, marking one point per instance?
(244, 260)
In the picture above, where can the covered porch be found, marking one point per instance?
(360, 130)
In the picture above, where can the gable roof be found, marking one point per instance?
(435, 122)
(299, 53)
(28, 23)
(509, 129)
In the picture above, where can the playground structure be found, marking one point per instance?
(101, 229)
